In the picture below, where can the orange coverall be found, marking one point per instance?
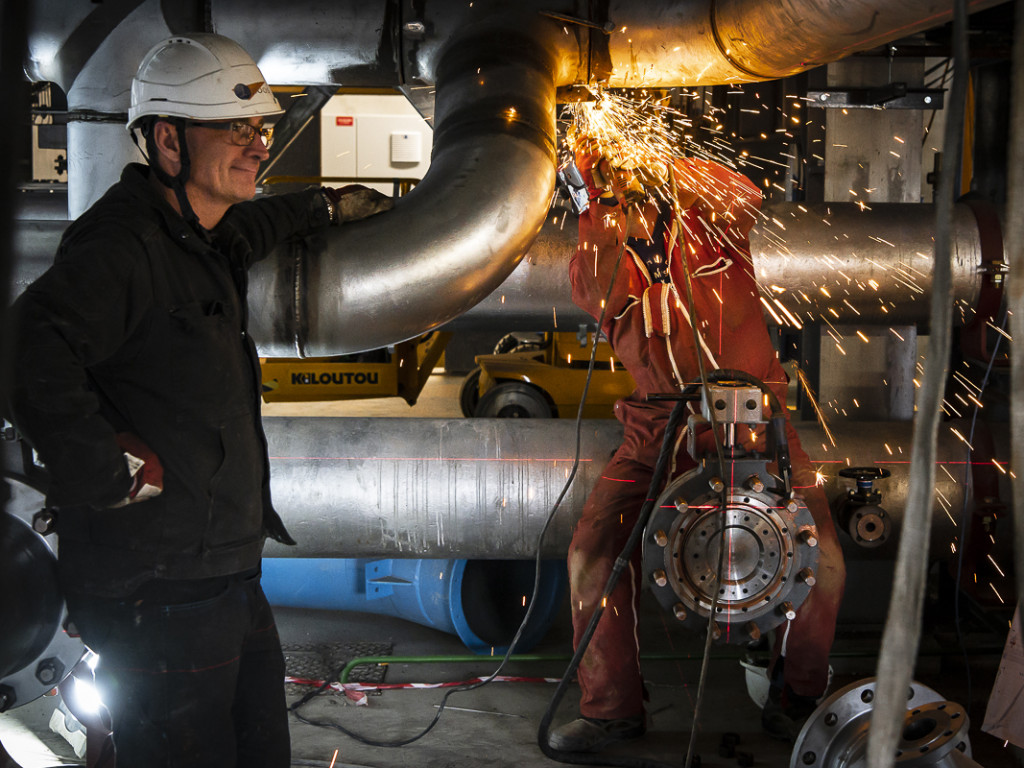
(648, 325)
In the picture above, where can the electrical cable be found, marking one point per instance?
(902, 633)
(968, 486)
(537, 562)
(583, 758)
(720, 453)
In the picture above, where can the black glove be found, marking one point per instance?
(354, 202)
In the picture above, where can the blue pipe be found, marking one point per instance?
(481, 601)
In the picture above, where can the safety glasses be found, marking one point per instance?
(240, 134)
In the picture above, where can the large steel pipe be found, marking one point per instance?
(655, 43)
(482, 488)
(429, 487)
(456, 236)
(734, 41)
(833, 265)
(831, 261)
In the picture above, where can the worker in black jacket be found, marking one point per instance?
(137, 384)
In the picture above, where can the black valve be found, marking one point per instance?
(865, 477)
(859, 512)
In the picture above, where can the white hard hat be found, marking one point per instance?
(200, 77)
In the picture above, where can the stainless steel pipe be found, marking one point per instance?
(829, 262)
(711, 42)
(482, 488)
(832, 261)
(654, 43)
(456, 236)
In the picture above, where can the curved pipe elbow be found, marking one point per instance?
(456, 236)
(442, 249)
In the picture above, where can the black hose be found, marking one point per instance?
(584, 758)
(294, 708)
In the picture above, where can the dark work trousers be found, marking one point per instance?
(191, 672)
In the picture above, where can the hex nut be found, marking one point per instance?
(49, 671)
(7, 698)
(807, 536)
(806, 575)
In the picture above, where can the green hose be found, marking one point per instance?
(675, 656)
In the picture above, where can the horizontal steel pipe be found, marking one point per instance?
(831, 261)
(836, 262)
(710, 42)
(483, 488)
(429, 487)
(654, 43)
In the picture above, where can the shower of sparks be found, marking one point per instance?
(634, 131)
(812, 398)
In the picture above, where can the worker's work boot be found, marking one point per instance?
(785, 713)
(590, 734)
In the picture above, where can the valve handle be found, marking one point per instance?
(865, 473)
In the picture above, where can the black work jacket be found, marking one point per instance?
(140, 326)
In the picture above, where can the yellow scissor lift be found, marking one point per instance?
(400, 371)
(542, 376)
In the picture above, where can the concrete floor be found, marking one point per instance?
(496, 725)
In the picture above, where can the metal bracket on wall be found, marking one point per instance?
(890, 96)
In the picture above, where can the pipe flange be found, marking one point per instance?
(869, 526)
(935, 731)
(769, 561)
(36, 653)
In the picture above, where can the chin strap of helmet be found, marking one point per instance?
(175, 183)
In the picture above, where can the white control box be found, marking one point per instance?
(379, 137)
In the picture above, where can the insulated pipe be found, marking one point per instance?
(833, 261)
(472, 218)
(874, 266)
(482, 488)
(91, 53)
(713, 42)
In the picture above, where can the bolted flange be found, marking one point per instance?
(753, 538)
(934, 733)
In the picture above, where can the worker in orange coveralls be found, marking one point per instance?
(648, 324)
